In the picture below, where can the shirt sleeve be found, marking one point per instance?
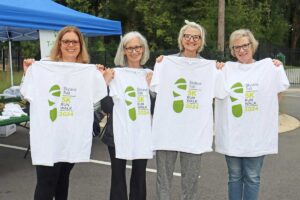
(283, 82)
(27, 85)
(100, 88)
(113, 86)
(154, 85)
(220, 90)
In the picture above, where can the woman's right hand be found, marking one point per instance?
(27, 63)
(159, 58)
(149, 78)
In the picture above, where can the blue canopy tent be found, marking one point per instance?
(22, 19)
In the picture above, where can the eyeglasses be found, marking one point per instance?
(188, 37)
(244, 47)
(135, 48)
(69, 42)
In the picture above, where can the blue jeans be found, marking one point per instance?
(244, 177)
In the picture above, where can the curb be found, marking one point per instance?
(287, 123)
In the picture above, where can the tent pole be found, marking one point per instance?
(10, 63)
(3, 59)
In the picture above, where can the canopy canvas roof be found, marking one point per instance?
(22, 19)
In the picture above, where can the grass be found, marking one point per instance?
(5, 79)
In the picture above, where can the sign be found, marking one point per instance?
(47, 40)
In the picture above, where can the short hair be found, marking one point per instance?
(120, 58)
(187, 25)
(239, 34)
(56, 54)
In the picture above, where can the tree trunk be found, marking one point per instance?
(221, 24)
(295, 24)
(295, 30)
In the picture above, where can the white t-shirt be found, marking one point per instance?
(131, 114)
(61, 97)
(247, 120)
(183, 115)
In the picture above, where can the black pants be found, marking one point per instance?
(118, 190)
(53, 181)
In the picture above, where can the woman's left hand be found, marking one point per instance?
(276, 62)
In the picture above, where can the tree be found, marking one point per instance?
(295, 23)
(261, 17)
(160, 20)
(221, 25)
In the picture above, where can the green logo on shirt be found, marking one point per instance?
(178, 102)
(54, 94)
(237, 108)
(130, 94)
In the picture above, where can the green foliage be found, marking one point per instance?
(262, 18)
(30, 49)
(160, 21)
(208, 18)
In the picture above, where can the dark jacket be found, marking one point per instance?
(107, 107)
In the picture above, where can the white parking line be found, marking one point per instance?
(100, 162)
(13, 147)
(128, 166)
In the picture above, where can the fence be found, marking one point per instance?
(293, 75)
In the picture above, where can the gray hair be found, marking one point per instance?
(120, 58)
(239, 34)
(187, 25)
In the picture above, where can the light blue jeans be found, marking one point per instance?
(244, 177)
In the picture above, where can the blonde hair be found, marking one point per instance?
(235, 35)
(187, 25)
(120, 58)
(56, 54)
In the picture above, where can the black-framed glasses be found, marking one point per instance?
(243, 46)
(135, 48)
(69, 42)
(194, 37)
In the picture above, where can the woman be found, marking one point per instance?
(53, 181)
(191, 41)
(247, 120)
(132, 54)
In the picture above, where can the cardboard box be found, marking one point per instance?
(7, 130)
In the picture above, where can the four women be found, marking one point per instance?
(133, 52)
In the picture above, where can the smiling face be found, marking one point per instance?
(243, 50)
(70, 47)
(191, 40)
(133, 51)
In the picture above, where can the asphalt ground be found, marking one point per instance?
(280, 178)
